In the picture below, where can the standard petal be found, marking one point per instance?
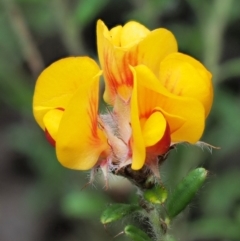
(57, 84)
(117, 75)
(138, 145)
(115, 35)
(153, 49)
(137, 46)
(182, 75)
(79, 141)
(133, 33)
(187, 114)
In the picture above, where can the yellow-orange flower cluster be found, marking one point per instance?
(158, 97)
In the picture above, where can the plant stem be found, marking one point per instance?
(154, 218)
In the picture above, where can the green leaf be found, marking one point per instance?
(157, 195)
(136, 234)
(118, 211)
(185, 191)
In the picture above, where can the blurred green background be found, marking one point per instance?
(42, 201)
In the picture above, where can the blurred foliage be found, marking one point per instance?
(49, 200)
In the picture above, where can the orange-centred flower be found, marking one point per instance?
(156, 97)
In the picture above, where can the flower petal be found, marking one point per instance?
(148, 101)
(162, 146)
(191, 113)
(79, 141)
(118, 77)
(136, 49)
(115, 35)
(57, 84)
(153, 49)
(184, 76)
(154, 128)
(52, 120)
(138, 145)
(174, 121)
(133, 33)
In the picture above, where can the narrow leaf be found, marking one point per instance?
(185, 191)
(136, 234)
(117, 211)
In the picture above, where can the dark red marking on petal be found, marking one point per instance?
(163, 145)
(109, 75)
(133, 56)
(49, 138)
(127, 73)
(60, 108)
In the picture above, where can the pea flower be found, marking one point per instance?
(156, 97)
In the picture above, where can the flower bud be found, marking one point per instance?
(157, 195)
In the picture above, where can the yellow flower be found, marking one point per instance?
(159, 97)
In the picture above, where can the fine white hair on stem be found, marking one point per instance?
(201, 144)
(204, 145)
